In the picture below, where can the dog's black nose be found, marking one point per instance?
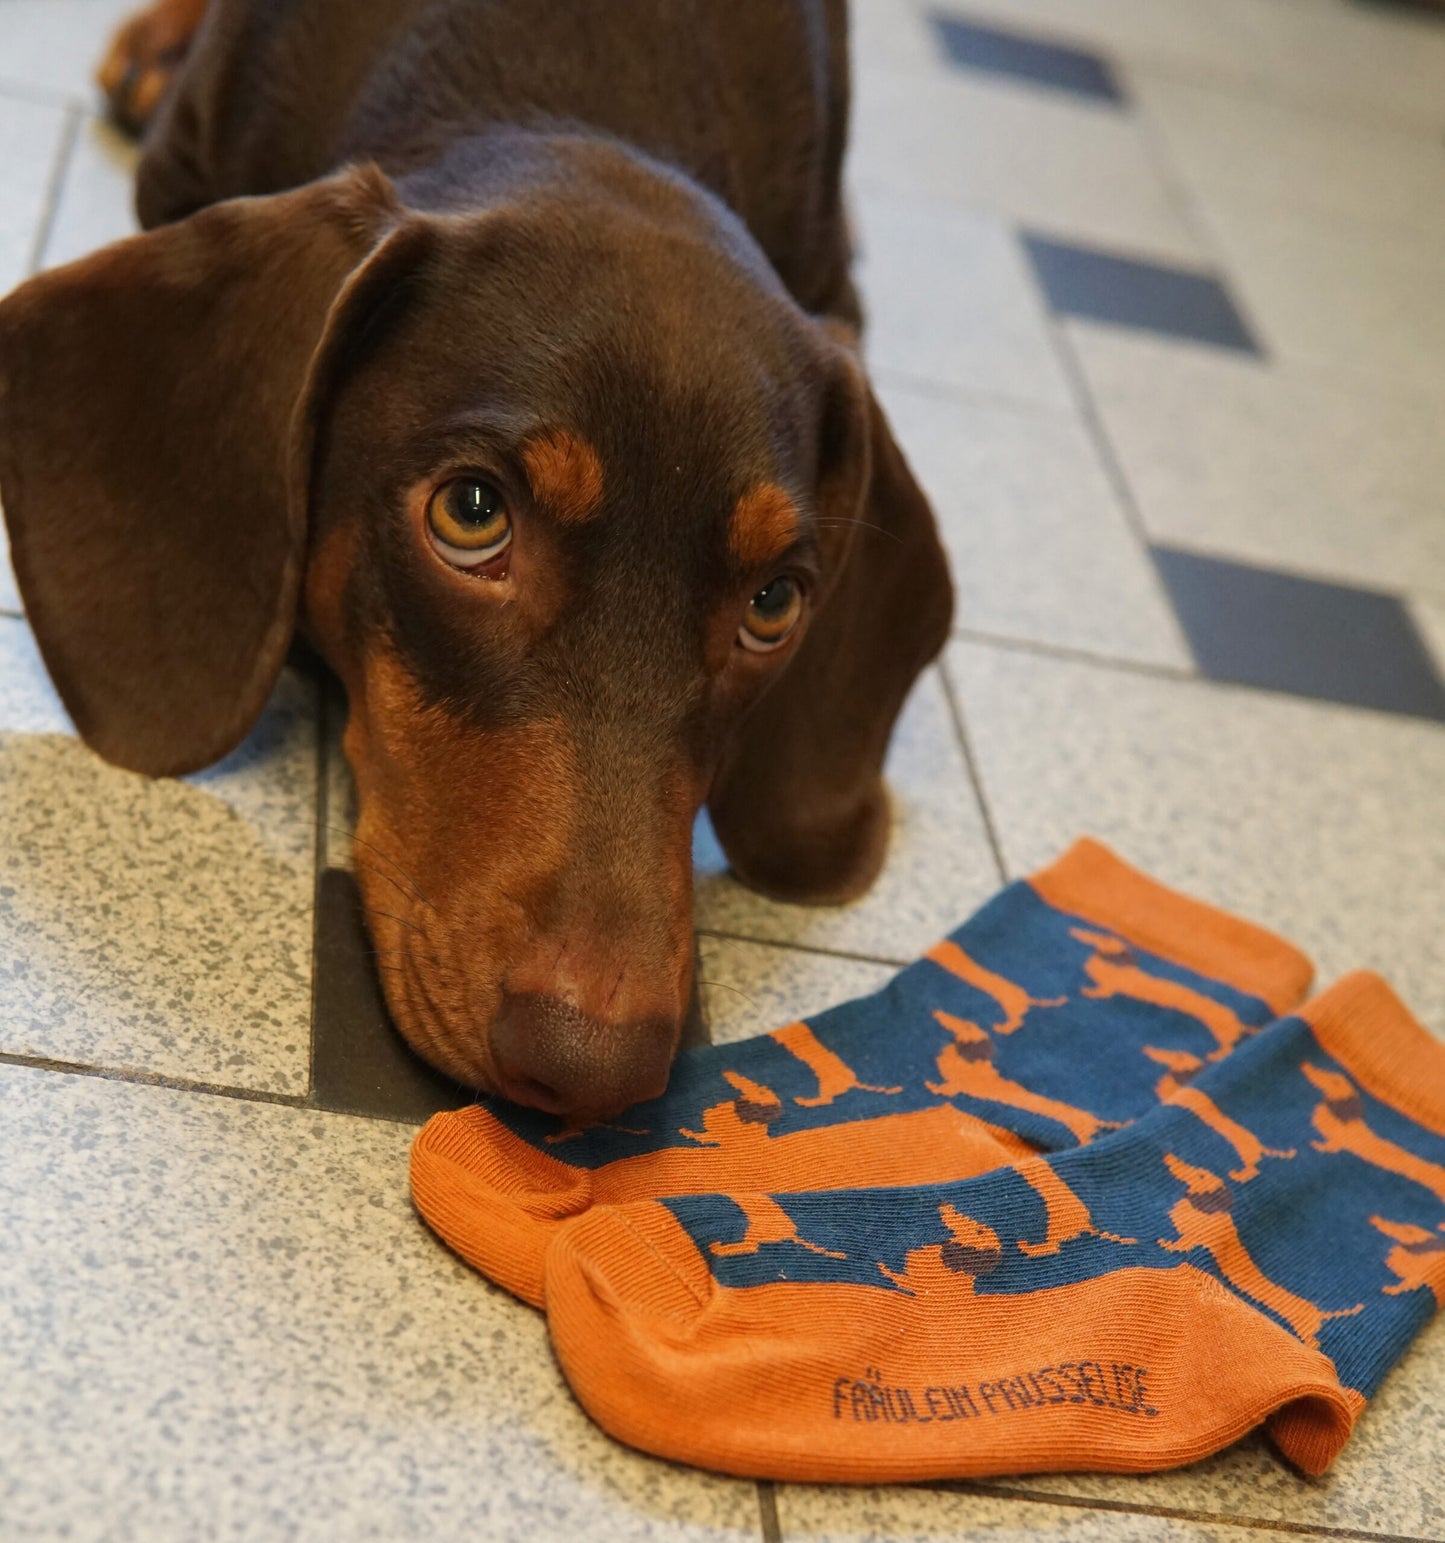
(553, 1056)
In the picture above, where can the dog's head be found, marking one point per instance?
(593, 522)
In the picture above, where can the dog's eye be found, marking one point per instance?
(469, 523)
(772, 615)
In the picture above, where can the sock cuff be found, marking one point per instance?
(1091, 882)
(1376, 1038)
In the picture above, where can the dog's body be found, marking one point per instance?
(507, 348)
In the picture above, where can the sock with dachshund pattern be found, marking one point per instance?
(1132, 1304)
(1069, 1005)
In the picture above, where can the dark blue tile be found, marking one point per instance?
(1259, 627)
(972, 47)
(1080, 281)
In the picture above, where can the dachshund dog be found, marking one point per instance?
(506, 352)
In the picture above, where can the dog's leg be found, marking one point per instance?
(144, 56)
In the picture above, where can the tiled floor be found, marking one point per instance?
(1157, 311)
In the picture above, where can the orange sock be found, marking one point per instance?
(1068, 1006)
(1133, 1304)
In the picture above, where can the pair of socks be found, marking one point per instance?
(1078, 1189)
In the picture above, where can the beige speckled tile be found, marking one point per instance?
(1428, 612)
(948, 298)
(1361, 299)
(906, 1515)
(1067, 168)
(55, 45)
(95, 202)
(31, 134)
(939, 867)
(1039, 546)
(162, 927)
(223, 1320)
(753, 988)
(1295, 156)
(1292, 467)
(1325, 823)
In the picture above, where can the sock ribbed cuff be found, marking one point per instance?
(1370, 1031)
(1092, 882)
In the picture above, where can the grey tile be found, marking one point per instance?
(1062, 166)
(95, 205)
(1020, 56)
(1297, 156)
(1284, 466)
(55, 45)
(1149, 297)
(157, 926)
(1321, 822)
(1363, 300)
(948, 299)
(31, 136)
(1261, 627)
(899, 1515)
(939, 866)
(753, 988)
(1038, 544)
(224, 1320)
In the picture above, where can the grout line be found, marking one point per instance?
(1094, 423)
(10, 615)
(59, 170)
(318, 868)
(768, 1512)
(137, 1078)
(975, 775)
(972, 396)
(891, 961)
(1065, 651)
(41, 96)
(1171, 1513)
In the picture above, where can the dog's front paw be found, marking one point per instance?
(143, 58)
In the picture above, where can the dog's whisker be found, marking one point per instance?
(388, 879)
(722, 985)
(386, 857)
(392, 916)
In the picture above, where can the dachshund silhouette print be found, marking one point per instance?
(1340, 1120)
(1013, 1001)
(767, 1223)
(1417, 1259)
(1202, 1220)
(1173, 1088)
(1114, 971)
(835, 1076)
(965, 1068)
(972, 1250)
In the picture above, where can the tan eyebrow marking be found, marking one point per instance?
(565, 474)
(764, 524)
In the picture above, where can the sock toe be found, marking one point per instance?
(492, 1197)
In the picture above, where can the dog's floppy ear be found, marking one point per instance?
(154, 427)
(799, 804)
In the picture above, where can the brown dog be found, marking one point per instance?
(507, 350)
